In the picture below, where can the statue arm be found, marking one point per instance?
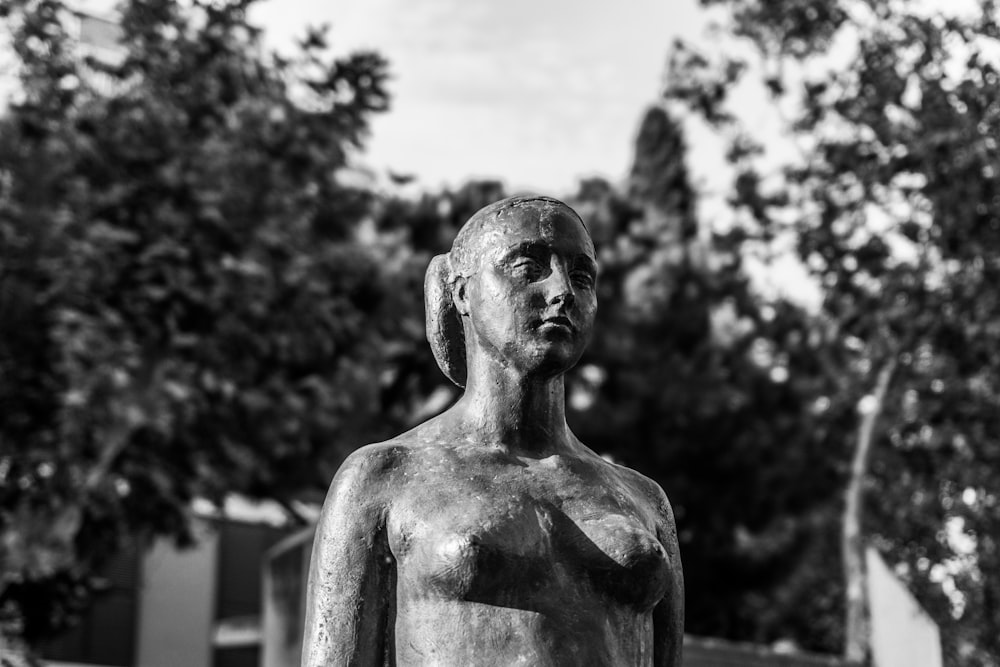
(668, 615)
(350, 591)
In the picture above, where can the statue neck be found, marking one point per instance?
(507, 408)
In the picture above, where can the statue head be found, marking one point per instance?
(519, 280)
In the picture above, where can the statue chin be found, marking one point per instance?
(542, 360)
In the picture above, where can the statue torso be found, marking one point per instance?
(553, 560)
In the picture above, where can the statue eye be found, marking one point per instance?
(527, 267)
(583, 278)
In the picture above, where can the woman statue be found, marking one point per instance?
(490, 535)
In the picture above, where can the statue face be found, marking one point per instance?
(532, 301)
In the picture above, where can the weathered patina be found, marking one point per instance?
(490, 535)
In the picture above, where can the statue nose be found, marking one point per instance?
(566, 299)
(561, 289)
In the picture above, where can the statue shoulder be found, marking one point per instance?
(367, 474)
(653, 493)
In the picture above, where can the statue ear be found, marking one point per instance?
(445, 331)
(460, 294)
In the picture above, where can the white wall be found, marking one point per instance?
(177, 604)
(286, 573)
(903, 635)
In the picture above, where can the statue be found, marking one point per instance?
(490, 535)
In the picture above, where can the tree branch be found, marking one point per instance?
(856, 639)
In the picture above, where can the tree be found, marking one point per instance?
(690, 380)
(891, 200)
(186, 311)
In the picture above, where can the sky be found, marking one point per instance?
(536, 93)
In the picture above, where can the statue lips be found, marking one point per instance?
(556, 323)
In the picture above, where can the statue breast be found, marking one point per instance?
(517, 558)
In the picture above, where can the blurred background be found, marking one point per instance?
(215, 217)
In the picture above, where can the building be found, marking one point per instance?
(96, 35)
(166, 607)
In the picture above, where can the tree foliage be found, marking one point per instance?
(185, 309)
(891, 200)
(696, 380)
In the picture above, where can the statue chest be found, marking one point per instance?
(519, 543)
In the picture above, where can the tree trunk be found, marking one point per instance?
(856, 631)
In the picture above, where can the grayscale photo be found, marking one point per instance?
(459, 333)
